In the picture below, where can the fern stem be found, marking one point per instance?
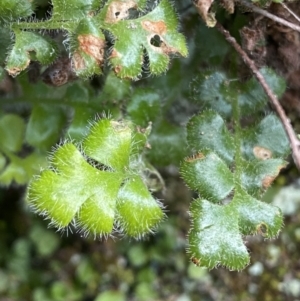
(45, 25)
(237, 141)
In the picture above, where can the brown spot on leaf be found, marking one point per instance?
(59, 73)
(167, 49)
(119, 10)
(262, 153)
(198, 156)
(196, 261)
(78, 62)
(158, 44)
(93, 46)
(117, 69)
(262, 229)
(158, 27)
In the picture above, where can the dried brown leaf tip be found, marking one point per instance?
(203, 7)
(119, 10)
(14, 71)
(59, 73)
(262, 153)
(268, 180)
(93, 46)
(195, 261)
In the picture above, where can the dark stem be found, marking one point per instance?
(264, 13)
(237, 141)
(290, 11)
(294, 141)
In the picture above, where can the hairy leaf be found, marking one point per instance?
(109, 143)
(256, 216)
(258, 175)
(215, 238)
(97, 188)
(216, 91)
(252, 96)
(212, 90)
(88, 44)
(208, 131)
(156, 32)
(72, 9)
(138, 212)
(138, 41)
(266, 140)
(144, 107)
(13, 9)
(200, 173)
(44, 49)
(251, 160)
(64, 197)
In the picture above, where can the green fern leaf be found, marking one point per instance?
(98, 190)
